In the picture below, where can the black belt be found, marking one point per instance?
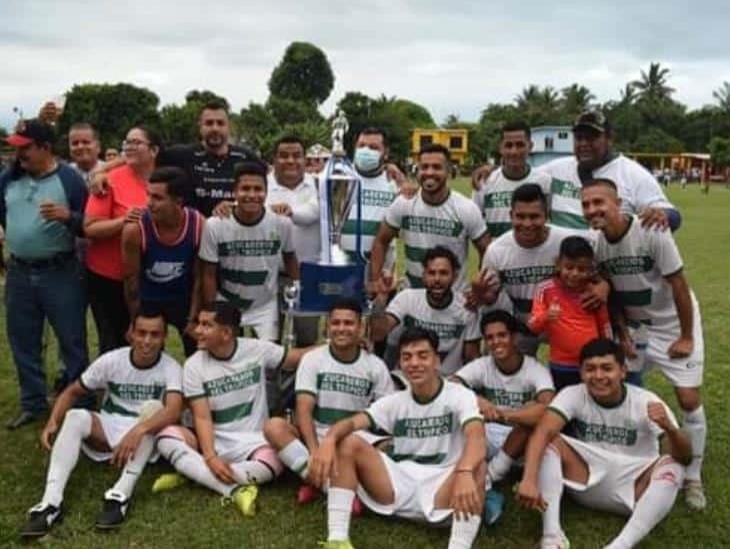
(53, 261)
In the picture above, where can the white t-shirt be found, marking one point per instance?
(511, 391)
(427, 432)
(522, 269)
(421, 226)
(637, 188)
(128, 387)
(341, 389)
(304, 203)
(624, 428)
(235, 389)
(248, 257)
(454, 323)
(494, 198)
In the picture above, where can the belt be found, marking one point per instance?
(53, 261)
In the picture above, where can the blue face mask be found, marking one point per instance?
(367, 160)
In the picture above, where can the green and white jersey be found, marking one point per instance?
(378, 194)
(494, 198)
(127, 387)
(637, 265)
(427, 432)
(522, 269)
(422, 226)
(453, 323)
(511, 391)
(637, 188)
(341, 389)
(248, 257)
(624, 428)
(235, 389)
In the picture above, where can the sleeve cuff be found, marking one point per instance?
(558, 412)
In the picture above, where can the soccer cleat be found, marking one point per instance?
(168, 481)
(307, 494)
(339, 544)
(245, 499)
(357, 507)
(113, 511)
(554, 542)
(694, 495)
(493, 507)
(40, 520)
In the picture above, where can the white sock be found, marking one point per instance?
(295, 456)
(463, 532)
(191, 464)
(339, 509)
(695, 424)
(550, 483)
(252, 472)
(653, 506)
(65, 454)
(134, 467)
(500, 465)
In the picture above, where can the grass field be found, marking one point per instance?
(194, 517)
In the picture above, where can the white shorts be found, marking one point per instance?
(496, 435)
(114, 427)
(264, 320)
(415, 487)
(240, 450)
(611, 478)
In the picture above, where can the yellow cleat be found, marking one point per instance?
(339, 544)
(245, 499)
(168, 481)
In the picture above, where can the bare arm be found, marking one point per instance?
(471, 351)
(62, 405)
(529, 415)
(291, 265)
(481, 245)
(196, 295)
(209, 282)
(205, 432)
(98, 228)
(131, 266)
(381, 325)
(683, 302)
(304, 417)
(546, 430)
(323, 461)
(382, 240)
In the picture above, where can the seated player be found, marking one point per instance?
(224, 382)
(512, 391)
(614, 463)
(435, 471)
(333, 382)
(142, 396)
(436, 307)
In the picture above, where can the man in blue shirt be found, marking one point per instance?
(41, 209)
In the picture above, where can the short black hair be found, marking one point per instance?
(289, 139)
(600, 181)
(148, 310)
(347, 304)
(496, 316)
(373, 130)
(416, 333)
(602, 347)
(214, 105)
(175, 179)
(84, 126)
(441, 252)
(529, 192)
(151, 134)
(226, 314)
(250, 167)
(516, 126)
(576, 247)
(435, 148)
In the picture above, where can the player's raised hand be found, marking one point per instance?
(464, 497)
(479, 176)
(281, 209)
(323, 462)
(134, 215)
(124, 451)
(529, 496)
(654, 218)
(681, 348)
(657, 412)
(553, 312)
(223, 209)
(48, 434)
(595, 295)
(485, 286)
(220, 469)
(628, 346)
(98, 183)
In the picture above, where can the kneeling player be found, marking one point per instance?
(137, 381)
(513, 390)
(436, 468)
(614, 463)
(224, 382)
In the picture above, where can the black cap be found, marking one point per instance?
(593, 120)
(31, 131)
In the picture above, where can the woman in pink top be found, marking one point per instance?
(106, 215)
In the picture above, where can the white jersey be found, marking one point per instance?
(624, 428)
(426, 432)
(127, 387)
(235, 389)
(522, 269)
(304, 203)
(511, 391)
(638, 264)
(378, 194)
(248, 257)
(637, 188)
(341, 389)
(494, 198)
(422, 226)
(453, 323)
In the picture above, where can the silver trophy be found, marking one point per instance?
(291, 297)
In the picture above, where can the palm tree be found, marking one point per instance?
(653, 84)
(628, 94)
(538, 105)
(576, 99)
(722, 94)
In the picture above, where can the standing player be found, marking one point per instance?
(436, 307)
(435, 471)
(436, 216)
(613, 463)
(136, 382)
(647, 273)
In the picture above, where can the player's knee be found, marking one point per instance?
(689, 399)
(268, 456)
(350, 446)
(172, 431)
(78, 420)
(668, 470)
(275, 429)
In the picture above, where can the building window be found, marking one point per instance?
(562, 135)
(426, 140)
(456, 142)
(548, 143)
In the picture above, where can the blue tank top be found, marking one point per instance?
(167, 269)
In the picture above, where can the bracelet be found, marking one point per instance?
(470, 471)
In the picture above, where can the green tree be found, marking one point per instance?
(722, 96)
(304, 74)
(720, 151)
(538, 105)
(574, 100)
(652, 85)
(201, 97)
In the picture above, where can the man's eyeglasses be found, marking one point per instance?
(133, 143)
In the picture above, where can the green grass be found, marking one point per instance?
(192, 516)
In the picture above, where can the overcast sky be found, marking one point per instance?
(450, 56)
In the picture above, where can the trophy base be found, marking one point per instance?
(322, 285)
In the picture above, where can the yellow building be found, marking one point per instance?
(456, 140)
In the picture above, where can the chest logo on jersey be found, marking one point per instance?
(509, 399)
(444, 331)
(499, 199)
(424, 427)
(564, 188)
(249, 248)
(136, 391)
(380, 199)
(628, 265)
(226, 384)
(527, 275)
(343, 383)
(165, 271)
(432, 225)
(600, 432)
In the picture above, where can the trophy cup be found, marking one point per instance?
(291, 297)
